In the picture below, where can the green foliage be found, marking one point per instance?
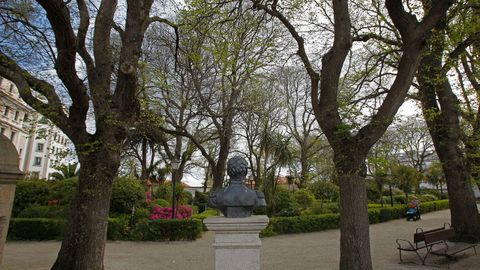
(324, 190)
(29, 192)
(302, 224)
(126, 193)
(118, 228)
(304, 198)
(200, 200)
(159, 203)
(185, 198)
(142, 213)
(283, 199)
(44, 211)
(65, 171)
(319, 207)
(64, 191)
(205, 214)
(373, 193)
(162, 230)
(314, 223)
(405, 177)
(36, 229)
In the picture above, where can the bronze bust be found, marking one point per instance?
(236, 200)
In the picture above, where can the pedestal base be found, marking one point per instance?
(237, 245)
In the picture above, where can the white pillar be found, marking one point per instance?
(237, 244)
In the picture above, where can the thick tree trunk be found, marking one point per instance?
(354, 224)
(444, 126)
(84, 244)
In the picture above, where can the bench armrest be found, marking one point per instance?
(405, 244)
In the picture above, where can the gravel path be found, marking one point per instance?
(309, 251)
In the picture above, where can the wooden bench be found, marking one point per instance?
(432, 238)
(419, 243)
(450, 249)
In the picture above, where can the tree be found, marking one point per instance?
(405, 178)
(435, 176)
(92, 52)
(65, 171)
(350, 149)
(441, 111)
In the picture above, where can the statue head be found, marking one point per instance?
(237, 168)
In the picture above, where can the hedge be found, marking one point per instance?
(118, 229)
(36, 228)
(315, 223)
(162, 230)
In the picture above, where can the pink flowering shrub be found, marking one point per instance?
(148, 196)
(183, 212)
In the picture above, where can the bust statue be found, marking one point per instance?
(236, 200)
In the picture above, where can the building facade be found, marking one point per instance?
(41, 145)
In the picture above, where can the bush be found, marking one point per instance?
(282, 199)
(325, 191)
(185, 197)
(320, 207)
(301, 224)
(395, 191)
(126, 193)
(162, 230)
(304, 198)
(313, 223)
(142, 213)
(159, 203)
(182, 212)
(200, 200)
(36, 228)
(64, 190)
(118, 228)
(44, 211)
(400, 199)
(205, 214)
(30, 192)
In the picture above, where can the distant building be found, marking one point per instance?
(40, 145)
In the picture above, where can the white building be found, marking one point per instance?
(40, 145)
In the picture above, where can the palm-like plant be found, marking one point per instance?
(65, 171)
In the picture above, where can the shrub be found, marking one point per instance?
(64, 190)
(282, 199)
(319, 207)
(200, 200)
(30, 192)
(304, 198)
(126, 193)
(36, 228)
(205, 214)
(373, 194)
(44, 211)
(427, 198)
(182, 212)
(323, 190)
(159, 203)
(142, 213)
(162, 230)
(118, 228)
(301, 224)
(400, 199)
(185, 197)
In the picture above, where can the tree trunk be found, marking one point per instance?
(83, 246)
(444, 126)
(354, 224)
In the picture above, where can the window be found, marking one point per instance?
(6, 111)
(2, 130)
(25, 117)
(37, 161)
(11, 88)
(12, 136)
(16, 116)
(39, 147)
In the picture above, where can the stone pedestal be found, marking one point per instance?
(237, 244)
(9, 175)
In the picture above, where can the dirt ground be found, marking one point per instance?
(308, 251)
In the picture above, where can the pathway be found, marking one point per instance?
(310, 251)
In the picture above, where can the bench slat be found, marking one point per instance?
(437, 236)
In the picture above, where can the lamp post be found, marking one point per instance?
(175, 165)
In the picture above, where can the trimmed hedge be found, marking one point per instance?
(162, 230)
(118, 229)
(315, 223)
(36, 228)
